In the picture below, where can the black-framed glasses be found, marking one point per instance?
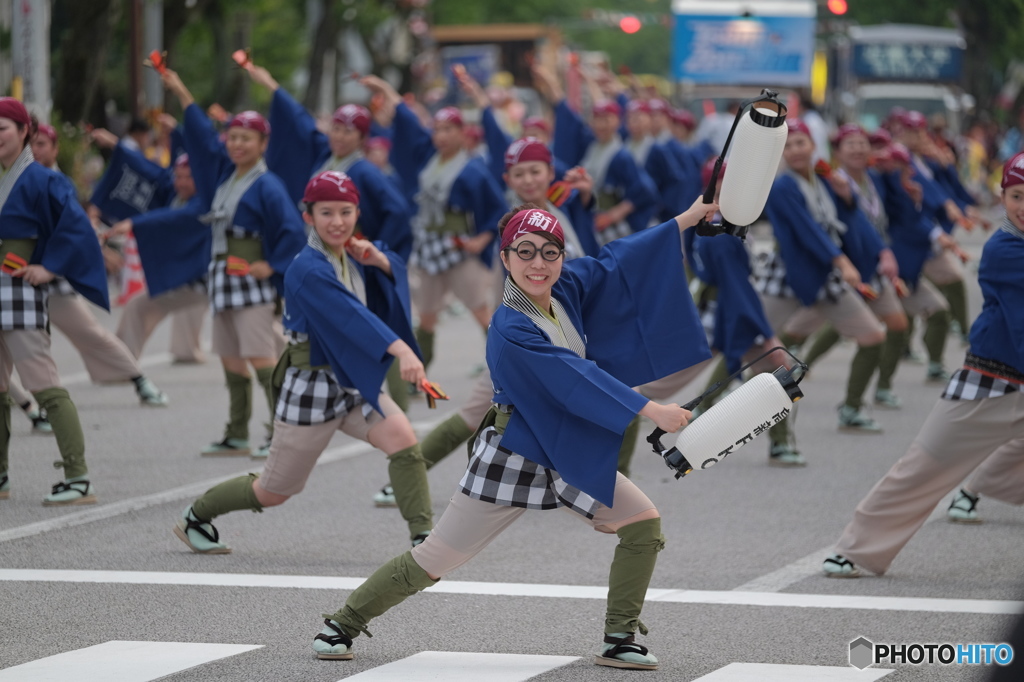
(527, 251)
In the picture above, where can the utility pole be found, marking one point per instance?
(31, 56)
(153, 39)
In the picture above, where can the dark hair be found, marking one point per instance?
(30, 130)
(519, 209)
(138, 125)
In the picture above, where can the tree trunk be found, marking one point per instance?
(326, 38)
(83, 54)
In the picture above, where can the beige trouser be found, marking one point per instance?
(943, 268)
(850, 316)
(250, 332)
(469, 525)
(470, 280)
(960, 436)
(106, 357)
(887, 303)
(295, 449)
(666, 387)
(29, 351)
(473, 410)
(924, 300)
(143, 314)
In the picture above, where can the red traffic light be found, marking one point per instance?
(837, 6)
(629, 24)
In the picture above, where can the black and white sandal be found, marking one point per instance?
(325, 644)
(70, 493)
(624, 652)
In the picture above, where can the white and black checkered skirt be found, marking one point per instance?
(228, 292)
(22, 306)
(500, 476)
(314, 396)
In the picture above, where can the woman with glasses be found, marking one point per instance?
(564, 347)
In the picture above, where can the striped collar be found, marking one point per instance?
(1007, 226)
(11, 175)
(515, 299)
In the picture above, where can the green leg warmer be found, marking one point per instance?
(425, 340)
(862, 368)
(790, 341)
(892, 351)
(265, 376)
(628, 446)
(935, 331)
(227, 497)
(911, 324)
(956, 295)
(408, 472)
(779, 433)
(630, 575)
(719, 372)
(823, 341)
(446, 436)
(67, 428)
(239, 405)
(5, 430)
(390, 585)
(398, 388)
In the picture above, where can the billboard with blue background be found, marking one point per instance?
(712, 48)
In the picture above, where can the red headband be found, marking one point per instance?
(14, 110)
(48, 131)
(848, 130)
(638, 106)
(900, 154)
(914, 119)
(657, 105)
(331, 186)
(250, 120)
(181, 161)
(1013, 171)
(353, 116)
(449, 115)
(527, 149)
(684, 117)
(474, 133)
(534, 220)
(880, 138)
(606, 107)
(536, 122)
(379, 143)
(797, 125)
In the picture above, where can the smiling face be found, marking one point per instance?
(853, 152)
(12, 141)
(536, 276)
(1013, 202)
(334, 221)
(530, 181)
(245, 147)
(798, 152)
(604, 127)
(344, 139)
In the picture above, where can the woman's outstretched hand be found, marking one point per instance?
(669, 418)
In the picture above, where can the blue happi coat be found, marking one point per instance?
(265, 209)
(42, 205)
(635, 315)
(297, 150)
(350, 337)
(474, 191)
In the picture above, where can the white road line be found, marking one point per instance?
(804, 568)
(729, 598)
(184, 492)
(455, 666)
(771, 672)
(122, 661)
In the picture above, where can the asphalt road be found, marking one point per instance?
(738, 581)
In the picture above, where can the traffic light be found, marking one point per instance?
(629, 24)
(837, 6)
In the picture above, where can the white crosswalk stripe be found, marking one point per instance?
(122, 661)
(455, 666)
(770, 672)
